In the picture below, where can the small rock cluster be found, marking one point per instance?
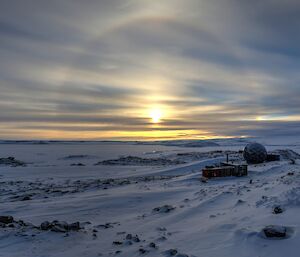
(11, 161)
(174, 252)
(10, 222)
(108, 225)
(164, 209)
(55, 226)
(77, 164)
(171, 252)
(6, 219)
(60, 226)
(129, 240)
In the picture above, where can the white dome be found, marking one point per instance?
(255, 153)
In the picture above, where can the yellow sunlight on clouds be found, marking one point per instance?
(155, 115)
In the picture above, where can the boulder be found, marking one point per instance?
(152, 245)
(277, 210)
(26, 198)
(164, 209)
(129, 236)
(171, 252)
(6, 219)
(275, 231)
(143, 251)
(136, 239)
(74, 226)
(59, 226)
(117, 243)
(45, 225)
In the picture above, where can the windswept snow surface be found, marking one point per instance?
(143, 209)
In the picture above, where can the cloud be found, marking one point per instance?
(70, 69)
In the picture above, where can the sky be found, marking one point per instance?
(149, 69)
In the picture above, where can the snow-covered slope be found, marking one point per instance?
(142, 209)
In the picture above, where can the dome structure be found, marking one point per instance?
(255, 153)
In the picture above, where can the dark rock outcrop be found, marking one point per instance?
(277, 210)
(6, 219)
(60, 226)
(164, 209)
(11, 161)
(274, 231)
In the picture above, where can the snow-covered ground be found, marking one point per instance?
(146, 199)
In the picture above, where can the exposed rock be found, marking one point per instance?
(171, 252)
(77, 164)
(11, 161)
(136, 239)
(143, 251)
(128, 236)
(60, 226)
(108, 225)
(55, 226)
(74, 226)
(152, 245)
(277, 210)
(275, 231)
(45, 225)
(240, 202)
(105, 226)
(162, 238)
(26, 198)
(164, 209)
(21, 222)
(117, 243)
(6, 219)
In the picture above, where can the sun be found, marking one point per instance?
(155, 115)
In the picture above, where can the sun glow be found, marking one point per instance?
(155, 115)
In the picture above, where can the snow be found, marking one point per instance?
(164, 203)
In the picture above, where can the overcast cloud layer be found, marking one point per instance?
(87, 69)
